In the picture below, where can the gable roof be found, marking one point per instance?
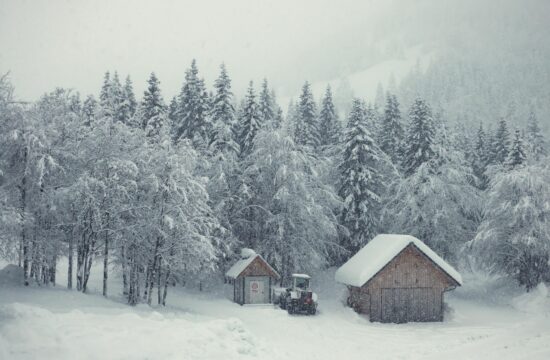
(242, 264)
(372, 258)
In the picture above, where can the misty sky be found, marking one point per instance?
(71, 43)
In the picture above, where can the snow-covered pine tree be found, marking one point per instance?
(418, 147)
(501, 144)
(249, 122)
(480, 158)
(287, 210)
(129, 103)
(535, 139)
(278, 118)
(105, 92)
(360, 182)
(391, 132)
(513, 237)
(329, 124)
(222, 114)
(117, 99)
(307, 128)
(516, 156)
(152, 113)
(89, 108)
(438, 202)
(192, 120)
(173, 110)
(266, 107)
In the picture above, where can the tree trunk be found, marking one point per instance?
(159, 293)
(106, 263)
(53, 269)
(153, 269)
(124, 269)
(70, 270)
(167, 277)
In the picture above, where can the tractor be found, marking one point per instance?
(299, 298)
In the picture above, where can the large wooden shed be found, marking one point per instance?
(251, 278)
(398, 278)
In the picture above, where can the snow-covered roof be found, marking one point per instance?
(243, 263)
(303, 276)
(364, 265)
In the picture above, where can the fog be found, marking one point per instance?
(71, 44)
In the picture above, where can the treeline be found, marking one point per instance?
(168, 191)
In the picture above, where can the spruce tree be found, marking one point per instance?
(129, 104)
(391, 132)
(480, 158)
(192, 121)
(89, 108)
(501, 143)
(329, 124)
(266, 108)
(117, 99)
(222, 115)
(278, 117)
(307, 129)
(361, 182)
(516, 156)
(105, 89)
(418, 148)
(249, 121)
(535, 138)
(152, 106)
(173, 109)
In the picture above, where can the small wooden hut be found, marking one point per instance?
(398, 278)
(251, 278)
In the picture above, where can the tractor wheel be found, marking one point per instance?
(312, 311)
(291, 310)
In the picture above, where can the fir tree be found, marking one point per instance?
(222, 114)
(152, 106)
(516, 156)
(89, 109)
(266, 108)
(418, 148)
(192, 122)
(173, 109)
(391, 132)
(329, 124)
(501, 143)
(105, 89)
(307, 129)
(129, 104)
(361, 182)
(117, 99)
(480, 158)
(535, 138)
(249, 121)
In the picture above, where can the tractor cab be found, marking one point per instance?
(300, 282)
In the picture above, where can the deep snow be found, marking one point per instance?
(54, 323)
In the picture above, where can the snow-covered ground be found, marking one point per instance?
(54, 323)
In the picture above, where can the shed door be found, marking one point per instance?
(401, 305)
(258, 289)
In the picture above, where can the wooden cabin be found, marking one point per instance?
(398, 278)
(251, 278)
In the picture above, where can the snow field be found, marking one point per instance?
(54, 323)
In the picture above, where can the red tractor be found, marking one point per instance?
(299, 298)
